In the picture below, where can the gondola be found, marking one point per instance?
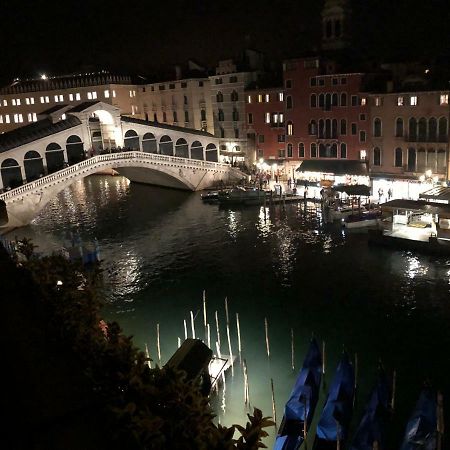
(371, 432)
(332, 429)
(421, 429)
(302, 402)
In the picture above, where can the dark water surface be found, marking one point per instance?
(161, 248)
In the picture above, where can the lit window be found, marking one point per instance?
(275, 118)
(249, 98)
(290, 129)
(114, 93)
(413, 100)
(363, 101)
(14, 102)
(77, 96)
(30, 117)
(31, 100)
(94, 95)
(16, 118)
(281, 117)
(34, 117)
(5, 102)
(362, 154)
(267, 117)
(267, 98)
(106, 93)
(89, 95)
(61, 97)
(27, 101)
(63, 117)
(18, 102)
(71, 97)
(281, 96)
(377, 101)
(1, 118)
(47, 99)
(7, 118)
(443, 99)
(260, 98)
(400, 101)
(56, 98)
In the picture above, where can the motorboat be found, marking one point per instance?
(299, 409)
(363, 220)
(242, 196)
(333, 425)
(210, 196)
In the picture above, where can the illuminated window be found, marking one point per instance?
(89, 95)
(71, 97)
(131, 93)
(281, 96)
(281, 118)
(94, 95)
(363, 101)
(260, 98)
(267, 98)
(63, 117)
(42, 100)
(16, 118)
(61, 97)
(1, 118)
(7, 118)
(443, 99)
(31, 100)
(362, 154)
(5, 102)
(114, 93)
(77, 96)
(47, 99)
(290, 129)
(14, 102)
(30, 117)
(27, 101)
(106, 93)
(400, 101)
(267, 120)
(377, 101)
(413, 100)
(249, 98)
(275, 117)
(34, 117)
(56, 98)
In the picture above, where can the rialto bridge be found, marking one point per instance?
(68, 143)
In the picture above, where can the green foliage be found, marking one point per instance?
(145, 408)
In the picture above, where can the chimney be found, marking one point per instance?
(177, 72)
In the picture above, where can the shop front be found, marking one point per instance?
(385, 189)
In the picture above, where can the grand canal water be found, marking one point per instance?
(161, 248)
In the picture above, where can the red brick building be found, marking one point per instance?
(326, 113)
(265, 123)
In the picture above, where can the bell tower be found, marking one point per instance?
(336, 24)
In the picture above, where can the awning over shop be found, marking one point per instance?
(417, 205)
(336, 167)
(440, 193)
(355, 189)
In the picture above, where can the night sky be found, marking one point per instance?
(144, 37)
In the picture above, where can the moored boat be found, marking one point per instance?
(421, 429)
(365, 219)
(242, 196)
(210, 196)
(300, 407)
(371, 432)
(332, 429)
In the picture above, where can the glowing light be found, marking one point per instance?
(428, 173)
(261, 160)
(43, 76)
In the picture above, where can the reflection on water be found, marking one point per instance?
(161, 248)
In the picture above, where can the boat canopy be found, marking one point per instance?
(336, 167)
(417, 206)
(336, 414)
(354, 189)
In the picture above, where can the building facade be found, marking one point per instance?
(23, 101)
(326, 113)
(184, 103)
(409, 140)
(265, 124)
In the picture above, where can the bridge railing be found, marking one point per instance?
(99, 160)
